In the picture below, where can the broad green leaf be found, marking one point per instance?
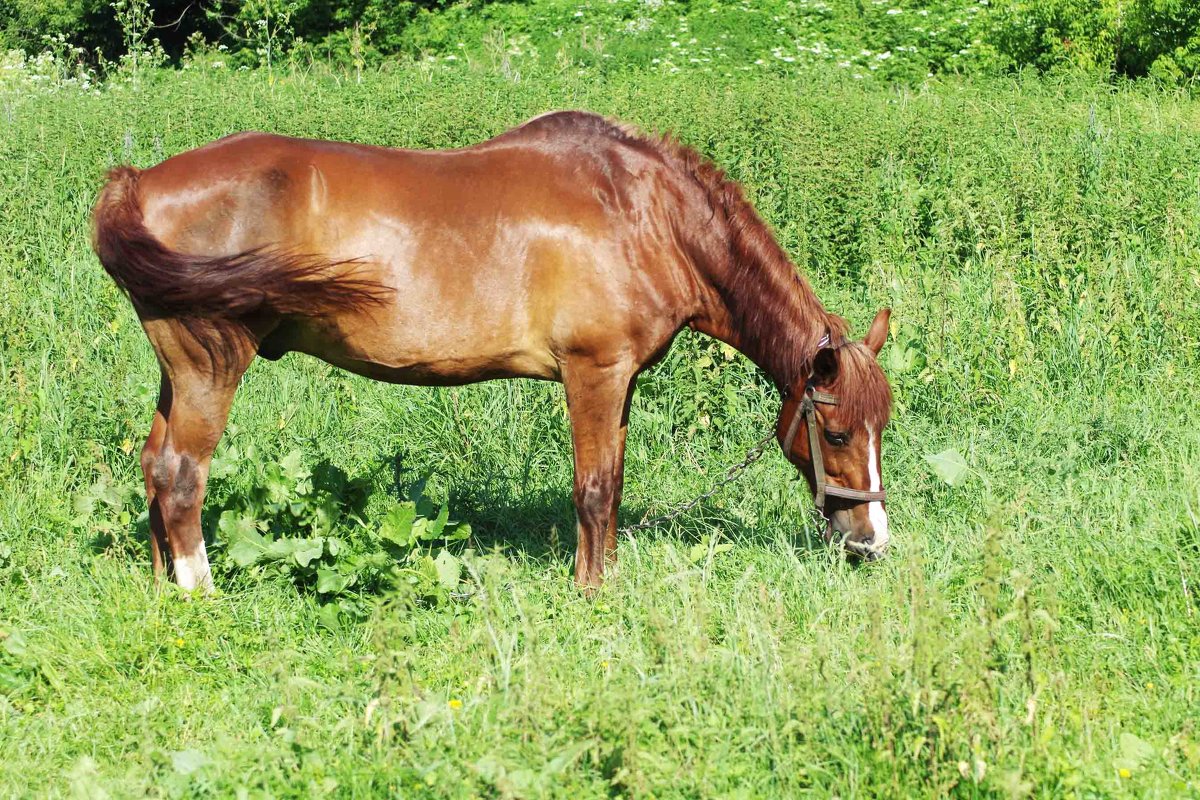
(324, 514)
(330, 616)
(83, 505)
(950, 466)
(903, 359)
(417, 491)
(222, 466)
(246, 544)
(109, 492)
(568, 756)
(330, 581)
(1136, 750)
(14, 645)
(291, 547)
(449, 568)
(308, 551)
(433, 528)
(457, 531)
(427, 569)
(397, 524)
(85, 781)
(292, 466)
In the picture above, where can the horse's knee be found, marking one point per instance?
(593, 499)
(176, 479)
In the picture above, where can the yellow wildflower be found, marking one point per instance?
(1124, 773)
(456, 704)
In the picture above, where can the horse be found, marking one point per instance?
(572, 248)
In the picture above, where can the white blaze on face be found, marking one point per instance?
(875, 509)
(192, 570)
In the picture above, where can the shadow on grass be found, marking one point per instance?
(540, 523)
(506, 512)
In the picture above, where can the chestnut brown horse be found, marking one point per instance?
(571, 248)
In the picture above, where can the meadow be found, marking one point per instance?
(1035, 630)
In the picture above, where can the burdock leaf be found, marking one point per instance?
(397, 524)
(950, 466)
(246, 544)
(449, 568)
(330, 581)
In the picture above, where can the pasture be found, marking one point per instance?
(1035, 630)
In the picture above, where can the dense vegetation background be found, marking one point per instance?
(893, 38)
(395, 612)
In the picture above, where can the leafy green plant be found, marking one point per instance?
(17, 667)
(107, 509)
(312, 532)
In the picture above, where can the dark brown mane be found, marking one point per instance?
(862, 389)
(763, 288)
(779, 318)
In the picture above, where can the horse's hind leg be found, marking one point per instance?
(200, 398)
(598, 402)
(154, 442)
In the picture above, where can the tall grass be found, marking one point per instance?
(1035, 631)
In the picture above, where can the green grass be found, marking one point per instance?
(1036, 629)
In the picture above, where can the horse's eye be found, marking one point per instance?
(837, 439)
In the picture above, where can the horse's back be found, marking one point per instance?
(502, 256)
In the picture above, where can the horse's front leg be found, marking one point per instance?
(598, 401)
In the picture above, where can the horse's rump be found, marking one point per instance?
(214, 296)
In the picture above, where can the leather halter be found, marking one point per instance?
(807, 408)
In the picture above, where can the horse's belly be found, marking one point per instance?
(405, 354)
(444, 372)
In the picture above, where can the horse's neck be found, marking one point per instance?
(770, 314)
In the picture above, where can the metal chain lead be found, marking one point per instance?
(731, 475)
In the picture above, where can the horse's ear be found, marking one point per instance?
(877, 335)
(825, 367)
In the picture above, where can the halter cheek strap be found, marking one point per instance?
(824, 489)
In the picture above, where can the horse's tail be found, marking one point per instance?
(214, 295)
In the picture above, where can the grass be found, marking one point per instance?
(1034, 632)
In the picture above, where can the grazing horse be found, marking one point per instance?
(570, 248)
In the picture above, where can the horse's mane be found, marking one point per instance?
(862, 389)
(780, 320)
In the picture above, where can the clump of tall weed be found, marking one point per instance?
(309, 525)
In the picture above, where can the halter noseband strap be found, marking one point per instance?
(808, 409)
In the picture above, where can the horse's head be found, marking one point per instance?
(831, 427)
